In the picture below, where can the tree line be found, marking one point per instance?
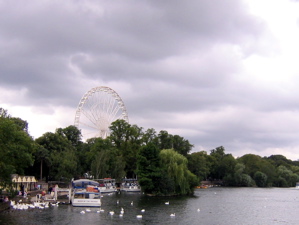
(164, 163)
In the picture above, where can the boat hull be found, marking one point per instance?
(131, 189)
(86, 202)
(107, 190)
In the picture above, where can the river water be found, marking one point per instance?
(219, 205)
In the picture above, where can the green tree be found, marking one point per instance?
(260, 179)
(199, 164)
(128, 140)
(16, 148)
(42, 156)
(252, 163)
(165, 140)
(120, 133)
(63, 160)
(106, 160)
(286, 178)
(175, 167)
(242, 179)
(216, 157)
(181, 145)
(149, 136)
(149, 169)
(72, 133)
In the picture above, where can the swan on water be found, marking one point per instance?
(139, 216)
(172, 214)
(166, 203)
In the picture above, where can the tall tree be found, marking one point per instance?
(149, 136)
(120, 132)
(128, 140)
(199, 164)
(72, 133)
(181, 145)
(149, 169)
(174, 165)
(165, 140)
(16, 147)
(106, 160)
(62, 155)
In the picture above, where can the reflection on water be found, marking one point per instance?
(207, 206)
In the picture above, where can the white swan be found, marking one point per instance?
(82, 212)
(172, 215)
(166, 203)
(139, 216)
(143, 210)
(111, 213)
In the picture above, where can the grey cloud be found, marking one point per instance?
(170, 60)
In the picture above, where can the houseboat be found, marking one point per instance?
(130, 185)
(86, 193)
(107, 185)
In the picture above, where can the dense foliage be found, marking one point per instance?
(162, 162)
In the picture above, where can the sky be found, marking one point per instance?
(216, 72)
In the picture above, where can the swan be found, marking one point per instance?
(143, 210)
(82, 212)
(167, 203)
(139, 216)
(172, 215)
(111, 213)
(88, 210)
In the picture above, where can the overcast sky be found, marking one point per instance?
(216, 72)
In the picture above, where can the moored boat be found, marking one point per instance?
(130, 185)
(107, 185)
(86, 193)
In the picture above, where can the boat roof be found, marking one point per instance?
(82, 183)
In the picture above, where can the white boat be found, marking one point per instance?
(130, 185)
(107, 185)
(86, 193)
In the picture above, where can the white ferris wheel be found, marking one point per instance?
(97, 109)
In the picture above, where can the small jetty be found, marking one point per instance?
(62, 195)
